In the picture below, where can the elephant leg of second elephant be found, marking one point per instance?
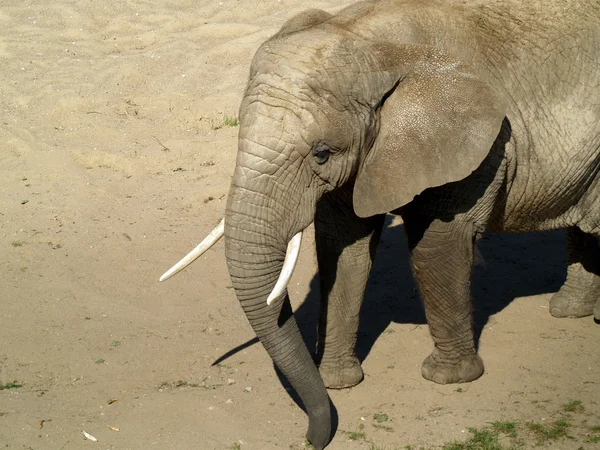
(442, 256)
(580, 292)
(345, 250)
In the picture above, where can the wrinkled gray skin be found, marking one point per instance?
(462, 117)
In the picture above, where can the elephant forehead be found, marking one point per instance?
(322, 60)
(274, 110)
(279, 90)
(273, 118)
(290, 110)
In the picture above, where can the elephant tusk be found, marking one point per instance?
(289, 264)
(207, 243)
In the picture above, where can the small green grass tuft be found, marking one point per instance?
(383, 427)
(357, 435)
(228, 121)
(573, 406)
(484, 439)
(17, 243)
(115, 343)
(381, 417)
(508, 428)
(231, 121)
(549, 432)
(595, 437)
(13, 385)
(558, 430)
(373, 446)
(235, 446)
(535, 427)
(100, 361)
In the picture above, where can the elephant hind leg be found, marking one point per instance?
(580, 294)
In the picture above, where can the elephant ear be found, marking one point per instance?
(437, 124)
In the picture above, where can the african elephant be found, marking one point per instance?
(461, 117)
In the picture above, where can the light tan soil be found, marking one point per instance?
(114, 163)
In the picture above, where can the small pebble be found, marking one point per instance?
(248, 388)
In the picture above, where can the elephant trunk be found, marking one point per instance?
(255, 252)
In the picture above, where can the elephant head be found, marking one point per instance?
(326, 110)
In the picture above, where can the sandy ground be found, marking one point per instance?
(114, 163)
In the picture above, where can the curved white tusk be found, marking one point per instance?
(289, 264)
(207, 243)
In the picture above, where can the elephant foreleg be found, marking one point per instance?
(581, 291)
(442, 255)
(345, 250)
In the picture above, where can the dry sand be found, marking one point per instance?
(114, 163)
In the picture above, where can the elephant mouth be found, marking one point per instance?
(289, 264)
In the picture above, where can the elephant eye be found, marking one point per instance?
(321, 153)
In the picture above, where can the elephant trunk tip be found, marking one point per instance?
(319, 432)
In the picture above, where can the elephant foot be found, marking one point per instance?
(578, 296)
(342, 373)
(597, 311)
(438, 370)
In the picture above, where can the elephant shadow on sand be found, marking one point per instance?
(506, 266)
